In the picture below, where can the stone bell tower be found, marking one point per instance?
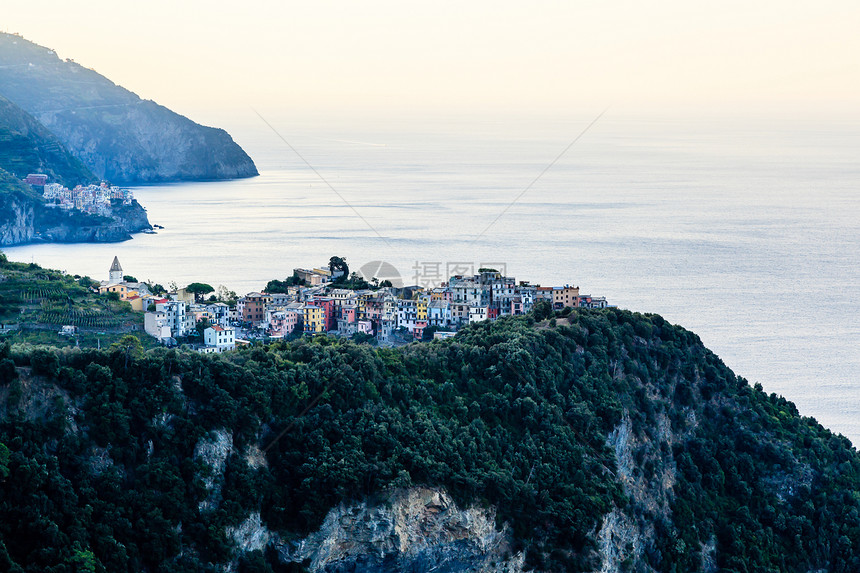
(115, 272)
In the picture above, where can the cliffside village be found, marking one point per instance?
(94, 199)
(390, 314)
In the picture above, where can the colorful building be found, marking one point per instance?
(254, 307)
(313, 318)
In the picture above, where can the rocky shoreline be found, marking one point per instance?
(25, 221)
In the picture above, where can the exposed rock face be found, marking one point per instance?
(16, 220)
(251, 534)
(647, 470)
(21, 222)
(418, 529)
(117, 135)
(125, 220)
(620, 539)
(213, 451)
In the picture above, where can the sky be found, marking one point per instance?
(350, 57)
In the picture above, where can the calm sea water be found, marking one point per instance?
(745, 232)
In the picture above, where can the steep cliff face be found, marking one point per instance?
(117, 135)
(16, 219)
(413, 529)
(143, 142)
(213, 452)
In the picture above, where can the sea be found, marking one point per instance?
(744, 230)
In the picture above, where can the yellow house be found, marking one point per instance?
(361, 301)
(141, 303)
(421, 309)
(121, 289)
(314, 318)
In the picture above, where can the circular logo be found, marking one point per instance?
(382, 271)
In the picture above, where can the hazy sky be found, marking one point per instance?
(674, 54)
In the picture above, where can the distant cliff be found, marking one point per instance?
(24, 218)
(117, 135)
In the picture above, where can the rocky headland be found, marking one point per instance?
(116, 134)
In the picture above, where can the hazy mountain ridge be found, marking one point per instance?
(572, 441)
(118, 136)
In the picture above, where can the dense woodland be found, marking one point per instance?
(98, 470)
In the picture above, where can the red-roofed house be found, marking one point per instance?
(219, 339)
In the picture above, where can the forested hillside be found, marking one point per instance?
(26, 146)
(568, 424)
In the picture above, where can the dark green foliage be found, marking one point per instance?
(87, 282)
(279, 287)
(199, 289)
(338, 264)
(26, 146)
(542, 310)
(505, 414)
(353, 282)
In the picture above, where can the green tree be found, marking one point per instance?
(4, 461)
(83, 561)
(129, 346)
(199, 289)
(87, 282)
(202, 326)
(542, 309)
(296, 280)
(275, 286)
(428, 332)
(338, 264)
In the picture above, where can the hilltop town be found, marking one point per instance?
(93, 199)
(328, 300)
(32, 209)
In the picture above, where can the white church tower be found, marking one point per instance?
(115, 272)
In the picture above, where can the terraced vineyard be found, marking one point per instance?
(31, 295)
(80, 317)
(34, 294)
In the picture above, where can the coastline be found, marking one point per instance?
(32, 223)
